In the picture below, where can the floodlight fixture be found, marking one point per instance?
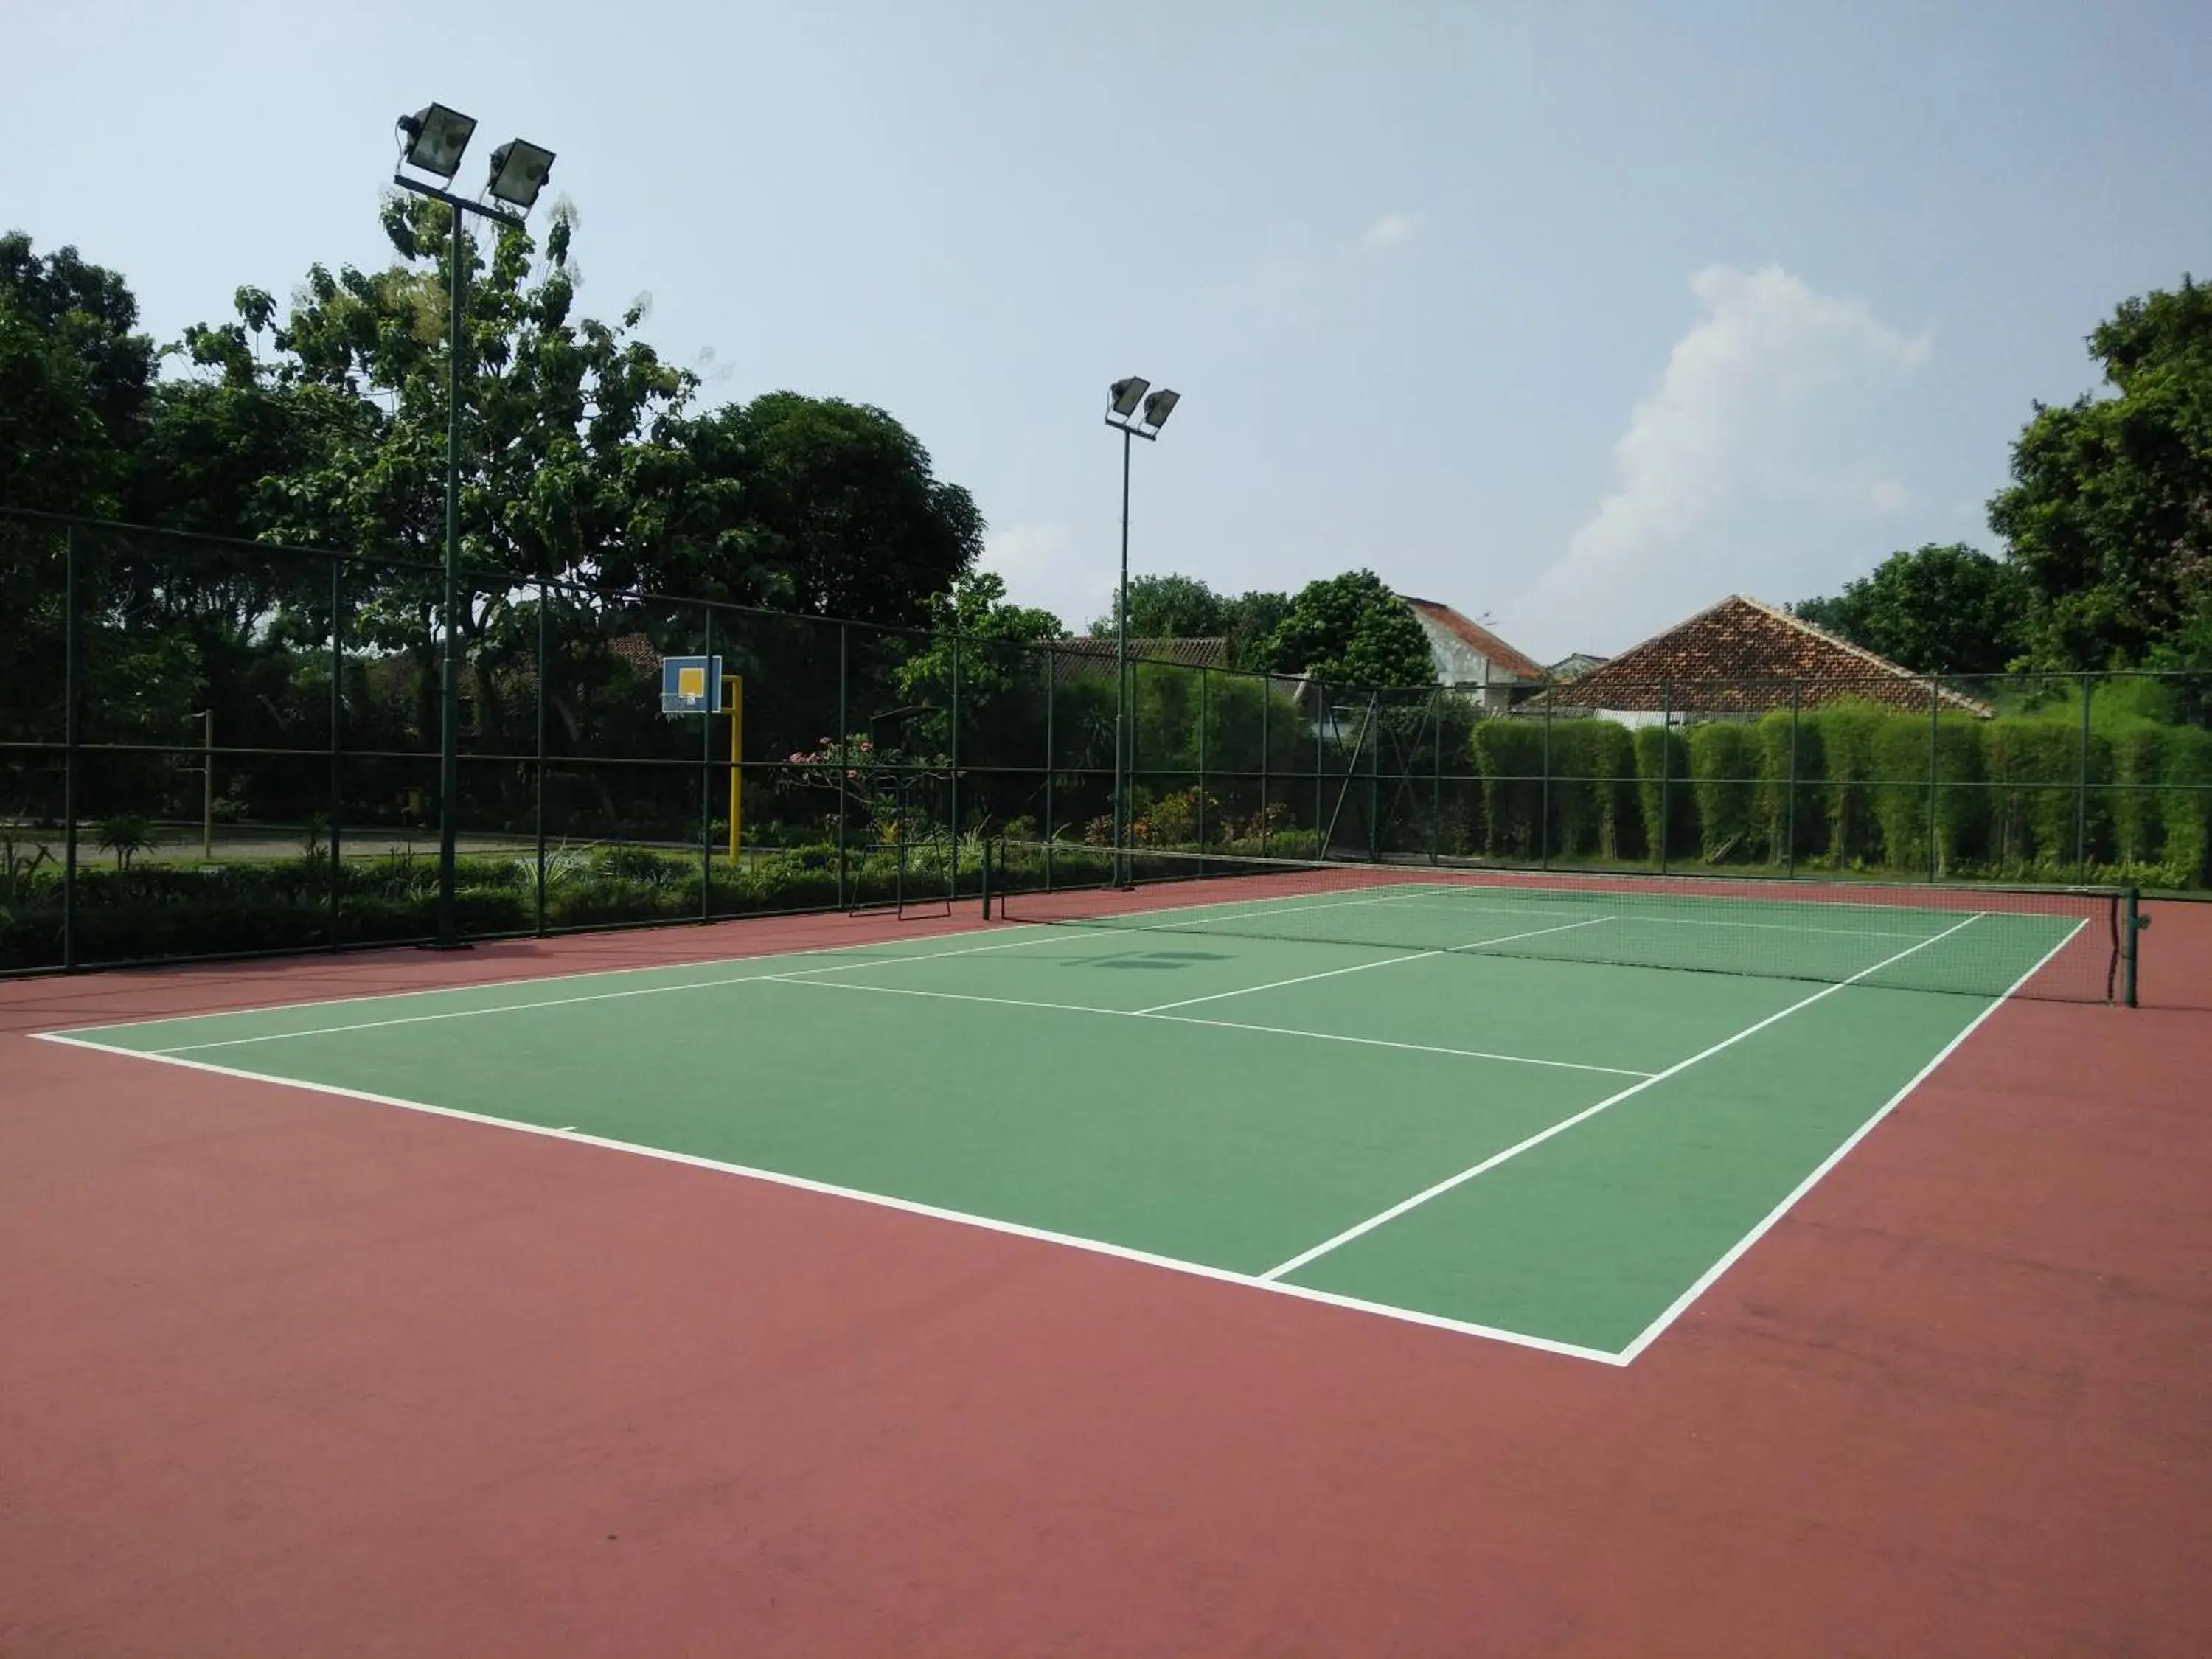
(433, 138)
(1159, 406)
(1127, 394)
(517, 172)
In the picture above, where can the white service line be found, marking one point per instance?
(1219, 1024)
(1034, 937)
(1361, 968)
(1359, 1230)
(1705, 1281)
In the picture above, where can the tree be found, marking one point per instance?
(1169, 607)
(1938, 610)
(74, 375)
(836, 512)
(2110, 512)
(1352, 631)
(1250, 620)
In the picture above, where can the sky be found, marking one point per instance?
(1576, 317)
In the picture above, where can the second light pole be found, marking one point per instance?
(1134, 415)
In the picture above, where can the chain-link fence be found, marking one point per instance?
(222, 748)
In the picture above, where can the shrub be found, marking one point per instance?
(1723, 758)
(1665, 798)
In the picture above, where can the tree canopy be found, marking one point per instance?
(2109, 514)
(1353, 630)
(1935, 609)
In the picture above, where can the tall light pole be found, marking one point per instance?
(431, 141)
(1124, 416)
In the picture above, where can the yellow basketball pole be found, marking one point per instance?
(737, 684)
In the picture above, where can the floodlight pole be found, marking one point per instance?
(1123, 755)
(1125, 726)
(448, 935)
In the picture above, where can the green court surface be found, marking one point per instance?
(1552, 1149)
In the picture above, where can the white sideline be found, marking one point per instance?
(1305, 1258)
(1705, 1281)
(910, 1207)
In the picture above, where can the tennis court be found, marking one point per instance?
(1544, 1111)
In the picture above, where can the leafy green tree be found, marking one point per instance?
(2110, 512)
(1352, 631)
(74, 376)
(808, 504)
(1169, 607)
(1937, 610)
(1250, 620)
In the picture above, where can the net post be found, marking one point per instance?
(70, 744)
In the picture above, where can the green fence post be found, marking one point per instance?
(1321, 716)
(337, 728)
(844, 754)
(544, 695)
(1267, 702)
(1666, 768)
(1051, 700)
(2132, 922)
(1789, 822)
(1544, 801)
(70, 745)
(952, 805)
(1201, 760)
(2082, 792)
(1436, 773)
(1934, 764)
(707, 778)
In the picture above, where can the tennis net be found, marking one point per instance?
(2066, 943)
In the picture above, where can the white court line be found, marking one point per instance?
(1219, 1025)
(1361, 968)
(910, 1207)
(1705, 1281)
(1383, 1218)
(1035, 937)
(1663, 921)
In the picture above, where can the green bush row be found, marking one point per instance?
(2006, 801)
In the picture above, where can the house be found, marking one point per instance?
(1574, 666)
(1738, 660)
(1471, 659)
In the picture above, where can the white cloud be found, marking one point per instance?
(1391, 229)
(1752, 467)
(1041, 567)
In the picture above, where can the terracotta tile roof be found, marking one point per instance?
(1743, 656)
(1080, 653)
(1472, 633)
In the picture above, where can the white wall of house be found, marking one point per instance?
(1457, 662)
